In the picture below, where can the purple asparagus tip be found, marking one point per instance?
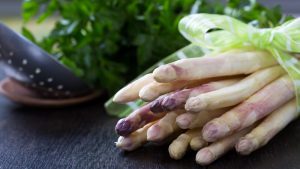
(156, 107)
(123, 127)
(169, 104)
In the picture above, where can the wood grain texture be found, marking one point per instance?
(83, 137)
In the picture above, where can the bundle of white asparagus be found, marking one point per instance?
(238, 99)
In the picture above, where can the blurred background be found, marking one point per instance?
(12, 8)
(10, 12)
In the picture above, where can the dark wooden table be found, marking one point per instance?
(83, 137)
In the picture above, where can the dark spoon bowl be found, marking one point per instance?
(31, 66)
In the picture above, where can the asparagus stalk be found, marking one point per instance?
(136, 120)
(131, 91)
(266, 130)
(165, 127)
(135, 139)
(236, 93)
(177, 99)
(180, 145)
(195, 120)
(153, 90)
(253, 109)
(212, 152)
(198, 142)
(226, 64)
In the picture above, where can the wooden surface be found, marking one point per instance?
(83, 137)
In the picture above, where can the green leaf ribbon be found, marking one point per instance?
(220, 33)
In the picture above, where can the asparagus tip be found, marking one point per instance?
(174, 153)
(165, 73)
(195, 104)
(147, 94)
(205, 157)
(197, 143)
(117, 98)
(121, 96)
(123, 127)
(155, 106)
(169, 104)
(244, 146)
(154, 133)
(213, 131)
(183, 121)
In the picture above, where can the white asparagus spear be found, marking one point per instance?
(137, 119)
(135, 139)
(212, 152)
(164, 127)
(267, 129)
(153, 90)
(180, 145)
(235, 93)
(253, 109)
(198, 142)
(177, 99)
(131, 91)
(195, 120)
(225, 64)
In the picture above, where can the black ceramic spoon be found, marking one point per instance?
(34, 68)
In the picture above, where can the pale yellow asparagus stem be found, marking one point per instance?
(235, 93)
(198, 142)
(165, 127)
(266, 130)
(195, 120)
(180, 145)
(253, 109)
(215, 150)
(225, 64)
(135, 139)
(131, 91)
(153, 90)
